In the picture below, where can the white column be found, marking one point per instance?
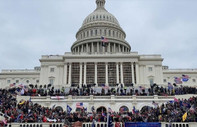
(80, 76)
(117, 73)
(106, 73)
(65, 73)
(87, 49)
(84, 73)
(95, 75)
(82, 48)
(114, 47)
(70, 69)
(97, 47)
(108, 47)
(121, 73)
(92, 47)
(132, 68)
(137, 73)
(118, 47)
(122, 48)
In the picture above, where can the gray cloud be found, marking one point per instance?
(33, 28)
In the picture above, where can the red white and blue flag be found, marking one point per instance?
(104, 41)
(57, 97)
(79, 105)
(185, 78)
(133, 111)
(192, 109)
(11, 85)
(177, 80)
(110, 110)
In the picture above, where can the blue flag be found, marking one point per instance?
(185, 78)
(109, 121)
(69, 109)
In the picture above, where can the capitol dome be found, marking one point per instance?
(100, 23)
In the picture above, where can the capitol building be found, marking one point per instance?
(98, 62)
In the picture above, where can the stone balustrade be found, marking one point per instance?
(97, 124)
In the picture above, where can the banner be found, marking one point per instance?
(57, 97)
(146, 124)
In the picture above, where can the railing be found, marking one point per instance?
(97, 124)
(35, 125)
(99, 53)
(179, 125)
(100, 124)
(134, 97)
(19, 70)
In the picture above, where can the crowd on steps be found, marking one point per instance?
(27, 111)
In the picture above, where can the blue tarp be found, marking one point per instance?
(142, 124)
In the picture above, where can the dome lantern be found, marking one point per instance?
(100, 3)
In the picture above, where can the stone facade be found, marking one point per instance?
(92, 61)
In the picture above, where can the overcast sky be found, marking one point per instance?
(31, 28)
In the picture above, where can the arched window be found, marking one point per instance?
(101, 109)
(58, 108)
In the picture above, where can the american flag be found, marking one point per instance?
(192, 109)
(133, 111)
(104, 86)
(104, 39)
(11, 85)
(57, 97)
(110, 110)
(79, 105)
(177, 80)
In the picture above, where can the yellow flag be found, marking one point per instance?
(22, 103)
(184, 116)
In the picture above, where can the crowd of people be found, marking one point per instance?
(27, 111)
(120, 90)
